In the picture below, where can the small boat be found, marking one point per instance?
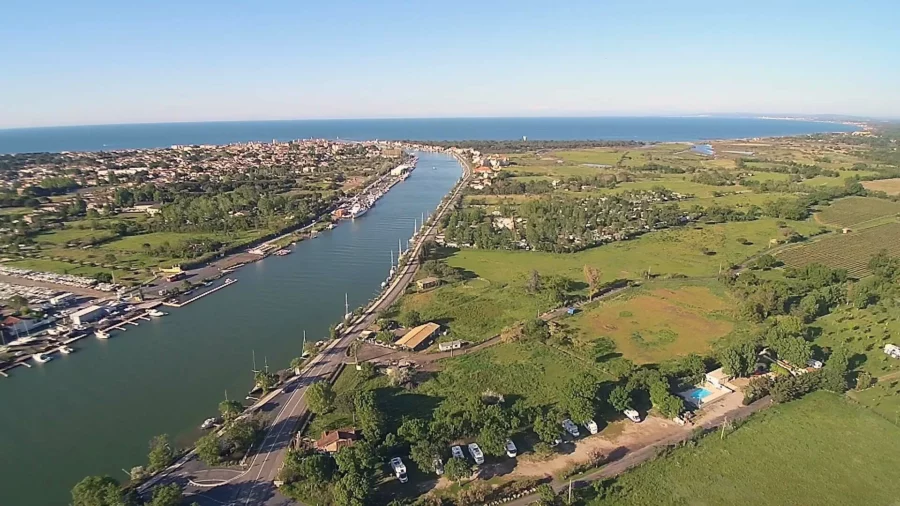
(229, 281)
(282, 252)
(101, 334)
(156, 313)
(42, 357)
(383, 284)
(208, 424)
(331, 226)
(65, 350)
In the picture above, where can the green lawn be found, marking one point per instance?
(854, 211)
(820, 450)
(533, 371)
(660, 320)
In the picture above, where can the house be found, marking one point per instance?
(484, 172)
(428, 283)
(418, 336)
(892, 350)
(334, 440)
(718, 378)
(16, 325)
(151, 208)
(451, 345)
(87, 315)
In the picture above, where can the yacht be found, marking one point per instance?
(357, 210)
(102, 334)
(156, 313)
(65, 350)
(42, 357)
(208, 424)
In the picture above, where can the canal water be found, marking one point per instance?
(93, 412)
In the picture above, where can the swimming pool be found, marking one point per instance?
(696, 395)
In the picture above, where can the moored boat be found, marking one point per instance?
(65, 350)
(42, 357)
(101, 334)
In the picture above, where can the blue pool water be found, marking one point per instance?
(697, 395)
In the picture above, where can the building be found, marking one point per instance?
(418, 336)
(427, 283)
(87, 315)
(451, 345)
(63, 299)
(334, 440)
(17, 326)
(718, 378)
(892, 350)
(151, 208)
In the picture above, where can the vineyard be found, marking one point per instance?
(848, 251)
(855, 210)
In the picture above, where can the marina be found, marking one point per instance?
(171, 372)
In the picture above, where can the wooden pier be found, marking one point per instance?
(198, 297)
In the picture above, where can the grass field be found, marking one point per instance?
(494, 295)
(889, 186)
(819, 450)
(848, 251)
(659, 320)
(854, 211)
(864, 332)
(532, 371)
(40, 264)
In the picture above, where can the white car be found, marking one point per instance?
(476, 453)
(592, 426)
(438, 465)
(570, 427)
(633, 415)
(511, 450)
(457, 452)
(399, 469)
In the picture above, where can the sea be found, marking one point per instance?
(156, 135)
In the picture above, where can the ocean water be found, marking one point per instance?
(111, 137)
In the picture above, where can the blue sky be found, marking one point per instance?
(95, 62)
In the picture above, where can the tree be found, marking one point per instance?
(620, 398)
(533, 285)
(320, 397)
(766, 262)
(265, 381)
(230, 410)
(412, 430)
(603, 347)
(360, 458)
(457, 469)
(592, 278)
(368, 416)
(166, 495)
(103, 277)
(546, 495)
(738, 360)
(492, 437)
(580, 396)
(424, 451)
(547, 428)
(97, 491)
(411, 318)
(352, 489)
(209, 449)
(161, 454)
(864, 380)
(17, 302)
(536, 329)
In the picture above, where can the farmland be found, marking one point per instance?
(854, 211)
(818, 450)
(889, 186)
(659, 321)
(847, 251)
(493, 294)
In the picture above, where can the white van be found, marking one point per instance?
(592, 426)
(476, 453)
(399, 469)
(511, 450)
(570, 427)
(633, 415)
(457, 452)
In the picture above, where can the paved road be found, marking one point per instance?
(253, 484)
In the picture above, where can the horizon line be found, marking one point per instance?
(817, 117)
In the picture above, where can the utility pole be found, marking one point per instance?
(570, 490)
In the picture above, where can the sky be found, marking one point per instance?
(108, 62)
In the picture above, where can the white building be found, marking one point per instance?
(87, 315)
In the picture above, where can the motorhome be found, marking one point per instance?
(399, 469)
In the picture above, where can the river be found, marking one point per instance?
(93, 412)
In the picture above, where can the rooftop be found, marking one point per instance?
(418, 335)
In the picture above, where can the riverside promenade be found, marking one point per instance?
(253, 484)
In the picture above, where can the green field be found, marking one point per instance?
(819, 450)
(535, 372)
(660, 320)
(494, 295)
(847, 251)
(853, 211)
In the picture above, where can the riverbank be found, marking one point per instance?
(168, 375)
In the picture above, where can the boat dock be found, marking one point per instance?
(228, 282)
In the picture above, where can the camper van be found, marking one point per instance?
(399, 469)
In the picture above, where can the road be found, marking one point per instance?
(253, 484)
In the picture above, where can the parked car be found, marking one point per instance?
(438, 466)
(457, 452)
(399, 469)
(633, 415)
(592, 426)
(511, 450)
(476, 453)
(571, 428)
(815, 364)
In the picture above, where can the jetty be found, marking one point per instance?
(228, 282)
